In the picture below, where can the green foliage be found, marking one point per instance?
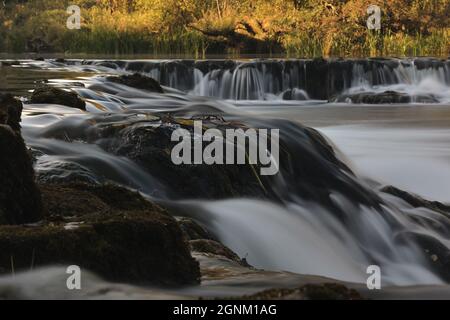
(307, 28)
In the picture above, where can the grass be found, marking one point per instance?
(373, 45)
(191, 43)
(110, 42)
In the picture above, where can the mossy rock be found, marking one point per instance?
(105, 229)
(137, 247)
(388, 97)
(52, 95)
(10, 111)
(138, 81)
(81, 199)
(325, 291)
(192, 230)
(20, 199)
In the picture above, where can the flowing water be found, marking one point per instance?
(406, 145)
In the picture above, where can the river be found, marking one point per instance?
(404, 144)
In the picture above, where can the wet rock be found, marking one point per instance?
(20, 200)
(10, 111)
(108, 64)
(326, 291)
(150, 146)
(62, 171)
(63, 199)
(202, 242)
(417, 201)
(9, 63)
(428, 63)
(127, 246)
(192, 230)
(294, 94)
(206, 66)
(308, 166)
(213, 247)
(388, 97)
(138, 81)
(317, 71)
(47, 94)
(106, 229)
(434, 250)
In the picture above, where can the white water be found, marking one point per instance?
(307, 239)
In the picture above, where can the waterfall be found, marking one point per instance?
(270, 79)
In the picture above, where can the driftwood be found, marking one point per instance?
(247, 33)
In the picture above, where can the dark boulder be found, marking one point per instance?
(325, 291)
(150, 146)
(9, 63)
(106, 229)
(387, 97)
(294, 94)
(79, 199)
(10, 111)
(138, 81)
(127, 246)
(47, 94)
(20, 199)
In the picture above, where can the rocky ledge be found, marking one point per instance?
(53, 95)
(387, 97)
(138, 81)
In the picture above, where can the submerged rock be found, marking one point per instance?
(62, 172)
(294, 94)
(138, 81)
(10, 111)
(435, 251)
(387, 97)
(105, 229)
(202, 242)
(54, 95)
(193, 231)
(325, 291)
(20, 199)
(308, 165)
(9, 63)
(214, 248)
(417, 201)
